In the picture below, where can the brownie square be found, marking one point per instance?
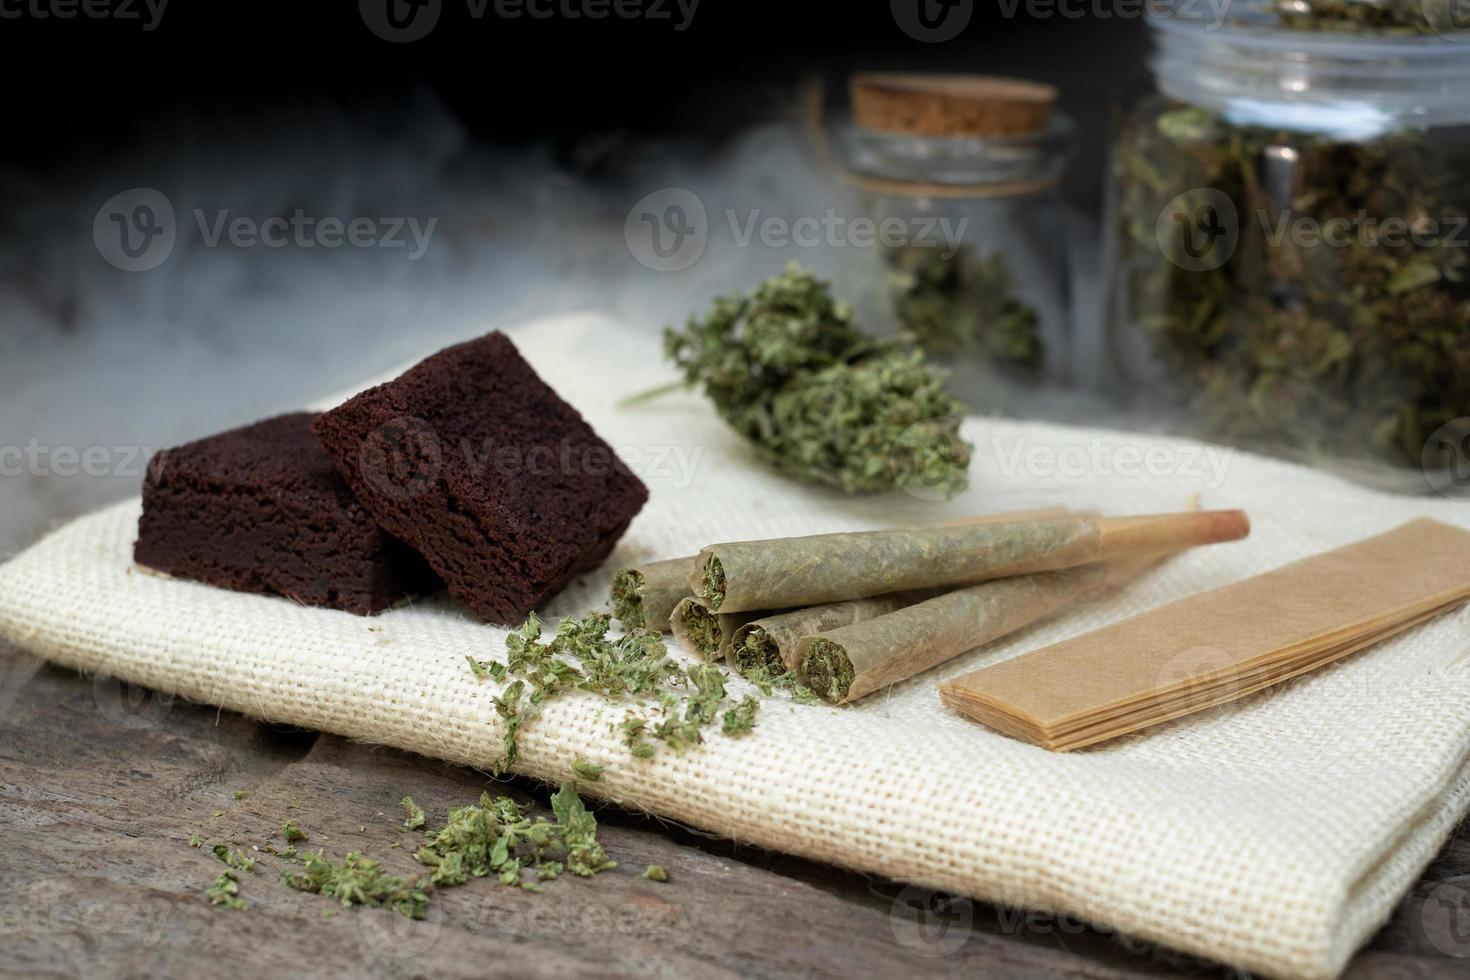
(262, 509)
(474, 461)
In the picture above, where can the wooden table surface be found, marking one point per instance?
(102, 785)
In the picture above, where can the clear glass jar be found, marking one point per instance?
(976, 265)
(1288, 260)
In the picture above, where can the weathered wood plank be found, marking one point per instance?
(102, 787)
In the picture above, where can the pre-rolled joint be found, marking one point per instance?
(754, 648)
(827, 668)
(712, 582)
(627, 598)
(699, 629)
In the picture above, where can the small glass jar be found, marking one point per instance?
(1289, 253)
(971, 258)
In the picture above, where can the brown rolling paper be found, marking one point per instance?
(847, 663)
(770, 641)
(645, 595)
(705, 633)
(1222, 644)
(825, 568)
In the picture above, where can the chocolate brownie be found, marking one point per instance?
(262, 509)
(471, 459)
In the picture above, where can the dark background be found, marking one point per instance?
(527, 140)
(81, 87)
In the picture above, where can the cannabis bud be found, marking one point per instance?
(819, 400)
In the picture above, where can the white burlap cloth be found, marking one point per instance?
(1275, 833)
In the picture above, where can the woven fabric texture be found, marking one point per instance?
(1274, 833)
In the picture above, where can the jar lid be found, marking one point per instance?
(950, 105)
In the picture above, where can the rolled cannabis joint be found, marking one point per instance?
(645, 595)
(844, 664)
(705, 633)
(770, 641)
(822, 568)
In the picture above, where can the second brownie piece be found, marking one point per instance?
(475, 462)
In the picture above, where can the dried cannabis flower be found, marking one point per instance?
(633, 667)
(233, 858)
(655, 872)
(1310, 348)
(415, 818)
(225, 890)
(818, 399)
(497, 838)
(292, 832)
(359, 881)
(962, 304)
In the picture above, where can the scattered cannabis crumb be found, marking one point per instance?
(819, 399)
(358, 880)
(235, 859)
(242, 794)
(292, 832)
(655, 872)
(786, 681)
(225, 891)
(415, 818)
(741, 718)
(195, 840)
(218, 813)
(496, 838)
(673, 704)
(587, 770)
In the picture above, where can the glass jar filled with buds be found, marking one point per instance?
(1289, 245)
(958, 175)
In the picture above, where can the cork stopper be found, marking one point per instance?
(950, 105)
